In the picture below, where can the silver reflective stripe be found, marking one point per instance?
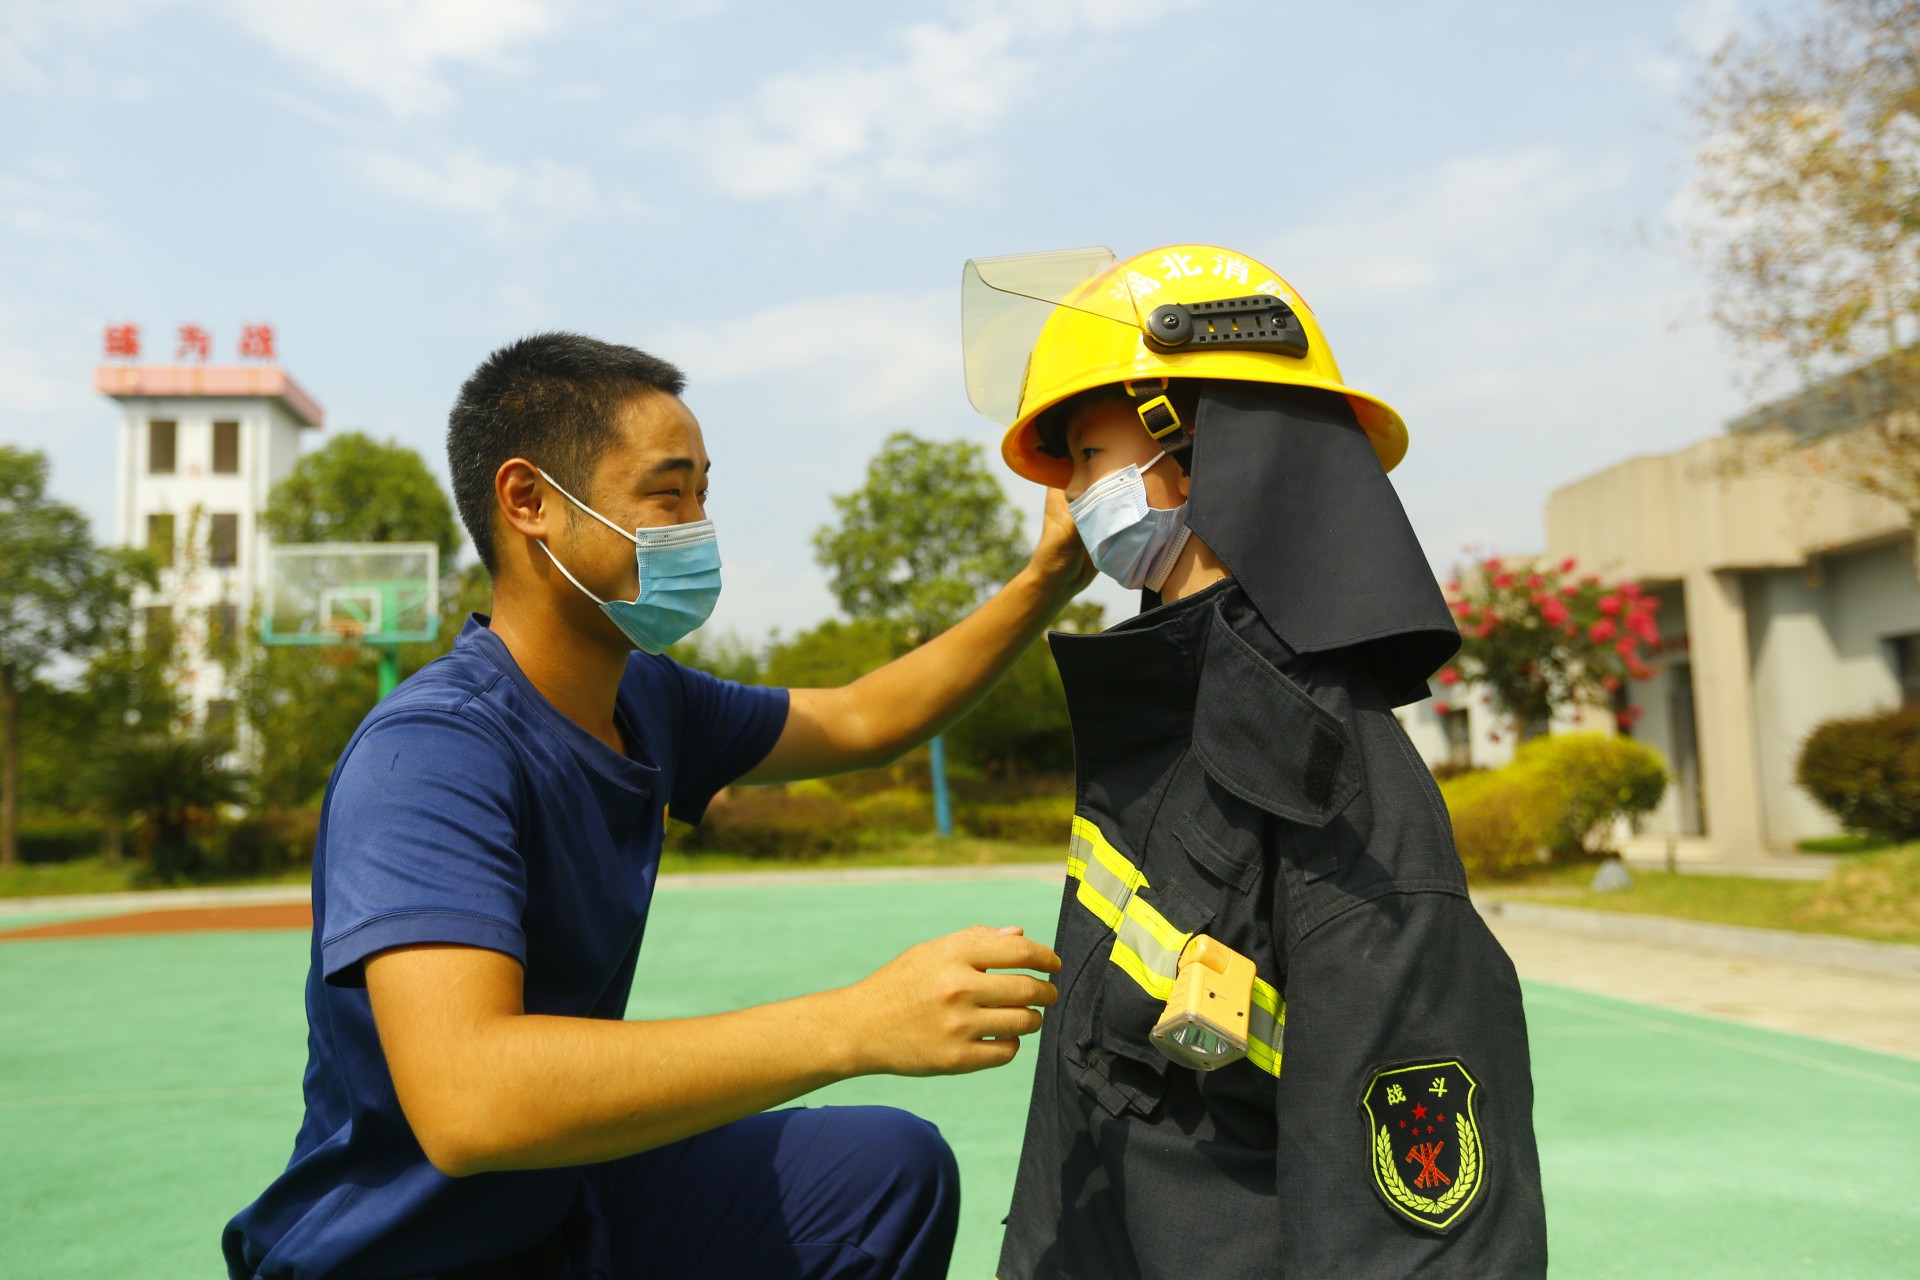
(1108, 885)
(1156, 958)
(1147, 946)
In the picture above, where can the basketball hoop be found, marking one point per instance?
(344, 650)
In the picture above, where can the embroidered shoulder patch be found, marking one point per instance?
(1427, 1159)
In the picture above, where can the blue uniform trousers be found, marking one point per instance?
(828, 1193)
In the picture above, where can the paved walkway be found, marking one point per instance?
(1875, 1010)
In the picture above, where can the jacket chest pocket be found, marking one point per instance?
(1147, 913)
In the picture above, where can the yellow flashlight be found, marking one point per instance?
(1205, 1023)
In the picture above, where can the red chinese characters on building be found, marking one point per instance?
(195, 342)
(123, 340)
(256, 342)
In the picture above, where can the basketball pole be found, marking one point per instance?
(389, 669)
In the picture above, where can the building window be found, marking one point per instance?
(157, 626)
(1906, 667)
(220, 718)
(223, 540)
(1459, 731)
(160, 539)
(226, 448)
(161, 437)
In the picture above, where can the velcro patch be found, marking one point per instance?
(1429, 1164)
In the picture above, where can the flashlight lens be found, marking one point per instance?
(1199, 1043)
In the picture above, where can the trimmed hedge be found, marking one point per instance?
(1038, 820)
(812, 819)
(1559, 794)
(1503, 819)
(1865, 771)
(59, 838)
(1598, 778)
(269, 841)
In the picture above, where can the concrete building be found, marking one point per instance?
(1787, 599)
(200, 447)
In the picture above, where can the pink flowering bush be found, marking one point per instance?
(1543, 639)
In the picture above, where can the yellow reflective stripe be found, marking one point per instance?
(1266, 1027)
(1147, 946)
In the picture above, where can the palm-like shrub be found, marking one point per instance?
(168, 782)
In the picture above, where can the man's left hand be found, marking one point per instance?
(1059, 557)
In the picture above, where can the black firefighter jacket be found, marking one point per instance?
(1231, 786)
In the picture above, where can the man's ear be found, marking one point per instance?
(523, 499)
(1186, 484)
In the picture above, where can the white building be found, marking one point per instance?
(1787, 599)
(200, 448)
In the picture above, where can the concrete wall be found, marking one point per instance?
(1782, 588)
(1820, 645)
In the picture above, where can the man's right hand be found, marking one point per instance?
(938, 1009)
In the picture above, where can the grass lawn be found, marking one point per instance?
(149, 1086)
(1872, 897)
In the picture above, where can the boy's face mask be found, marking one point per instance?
(1131, 542)
(679, 579)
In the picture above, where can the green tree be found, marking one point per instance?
(356, 489)
(724, 655)
(1808, 159)
(168, 781)
(833, 654)
(1022, 724)
(304, 704)
(60, 597)
(926, 537)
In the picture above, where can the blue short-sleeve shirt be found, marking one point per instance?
(467, 810)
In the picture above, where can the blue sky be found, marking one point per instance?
(780, 198)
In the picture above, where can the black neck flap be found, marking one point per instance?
(1289, 494)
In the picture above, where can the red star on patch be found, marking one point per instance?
(1420, 1111)
(1403, 1124)
(1442, 1117)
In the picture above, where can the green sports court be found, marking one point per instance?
(149, 1086)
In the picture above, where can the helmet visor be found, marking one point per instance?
(1006, 302)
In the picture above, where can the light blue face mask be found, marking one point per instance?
(1131, 542)
(679, 579)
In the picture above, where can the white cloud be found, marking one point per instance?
(907, 118)
(39, 38)
(868, 355)
(395, 51)
(1700, 27)
(45, 202)
(1477, 214)
(507, 199)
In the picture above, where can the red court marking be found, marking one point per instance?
(279, 915)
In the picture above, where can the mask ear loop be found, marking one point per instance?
(589, 510)
(570, 578)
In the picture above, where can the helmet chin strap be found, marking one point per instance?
(1159, 418)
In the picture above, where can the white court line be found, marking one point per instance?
(1722, 1041)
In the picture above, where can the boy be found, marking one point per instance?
(1244, 793)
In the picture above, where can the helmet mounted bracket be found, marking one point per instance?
(1258, 322)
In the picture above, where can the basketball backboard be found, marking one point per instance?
(373, 593)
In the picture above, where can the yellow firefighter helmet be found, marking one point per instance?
(1041, 327)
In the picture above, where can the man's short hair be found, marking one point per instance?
(552, 399)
